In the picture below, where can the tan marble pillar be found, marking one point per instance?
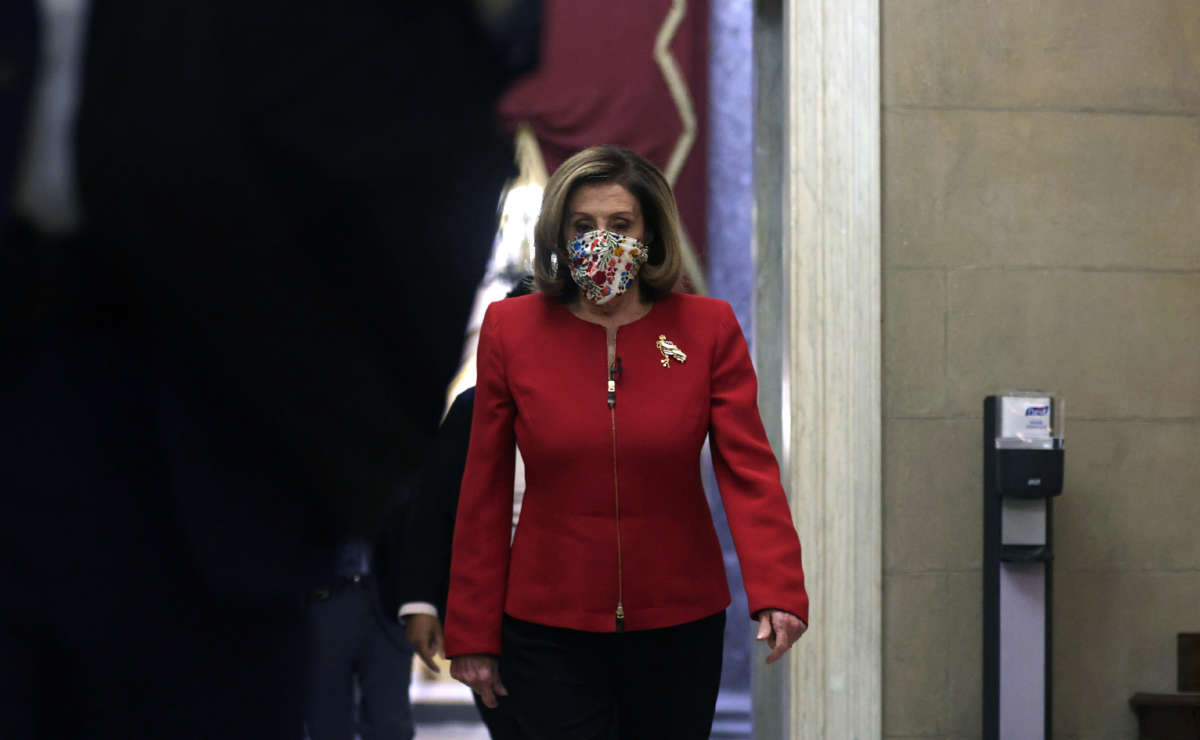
(818, 327)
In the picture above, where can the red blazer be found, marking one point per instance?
(614, 511)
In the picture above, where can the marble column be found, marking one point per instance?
(730, 277)
(818, 308)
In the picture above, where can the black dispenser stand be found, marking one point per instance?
(1020, 479)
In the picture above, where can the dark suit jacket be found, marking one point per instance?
(426, 528)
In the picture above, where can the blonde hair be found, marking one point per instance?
(598, 165)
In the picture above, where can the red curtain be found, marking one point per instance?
(599, 82)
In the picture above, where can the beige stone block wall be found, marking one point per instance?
(1122, 55)
(1041, 201)
(1116, 344)
(1023, 189)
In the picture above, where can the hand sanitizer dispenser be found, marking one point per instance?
(1022, 473)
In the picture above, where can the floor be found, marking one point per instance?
(452, 731)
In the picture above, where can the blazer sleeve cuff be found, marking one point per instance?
(417, 607)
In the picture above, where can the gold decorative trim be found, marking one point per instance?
(682, 98)
(691, 265)
(678, 89)
(531, 165)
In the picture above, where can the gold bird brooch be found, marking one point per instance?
(669, 351)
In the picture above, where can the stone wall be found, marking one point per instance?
(1041, 229)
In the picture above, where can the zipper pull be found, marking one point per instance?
(612, 384)
(614, 374)
(620, 618)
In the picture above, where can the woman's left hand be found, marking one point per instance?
(780, 629)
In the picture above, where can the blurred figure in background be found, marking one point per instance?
(359, 663)
(241, 247)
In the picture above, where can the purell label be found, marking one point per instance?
(1025, 417)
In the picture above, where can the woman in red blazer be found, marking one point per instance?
(605, 618)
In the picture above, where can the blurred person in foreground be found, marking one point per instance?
(606, 617)
(227, 348)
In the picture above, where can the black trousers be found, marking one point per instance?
(658, 684)
(350, 635)
(500, 723)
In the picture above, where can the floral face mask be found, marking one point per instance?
(604, 264)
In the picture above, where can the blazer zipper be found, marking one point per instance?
(612, 415)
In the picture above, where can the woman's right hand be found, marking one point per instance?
(482, 674)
